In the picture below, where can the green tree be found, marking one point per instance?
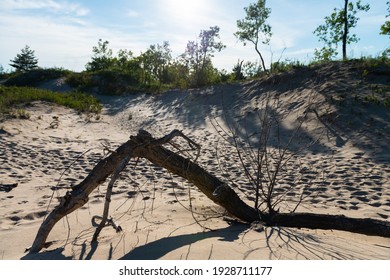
(155, 62)
(123, 60)
(197, 56)
(25, 61)
(253, 27)
(102, 57)
(162, 56)
(385, 28)
(146, 60)
(337, 29)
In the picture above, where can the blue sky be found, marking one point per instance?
(63, 32)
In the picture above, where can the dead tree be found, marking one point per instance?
(144, 145)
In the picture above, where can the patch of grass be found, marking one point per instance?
(12, 97)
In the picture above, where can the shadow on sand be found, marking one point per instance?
(157, 249)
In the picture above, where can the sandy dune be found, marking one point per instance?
(346, 171)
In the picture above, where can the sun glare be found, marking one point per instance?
(186, 10)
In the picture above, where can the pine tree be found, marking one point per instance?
(25, 61)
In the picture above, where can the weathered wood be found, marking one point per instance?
(215, 189)
(110, 186)
(78, 196)
(365, 226)
(144, 145)
(222, 194)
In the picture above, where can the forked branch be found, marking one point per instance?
(144, 145)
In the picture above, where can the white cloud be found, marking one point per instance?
(132, 13)
(64, 41)
(48, 5)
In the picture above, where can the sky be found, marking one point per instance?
(63, 32)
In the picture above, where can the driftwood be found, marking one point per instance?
(144, 145)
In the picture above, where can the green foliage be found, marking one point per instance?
(326, 54)
(287, 65)
(370, 64)
(252, 69)
(155, 62)
(25, 61)
(10, 97)
(178, 75)
(110, 82)
(102, 57)
(80, 81)
(116, 75)
(254, 27)
(385, 28)
(337, 29)
(35, 76)
(237, 71)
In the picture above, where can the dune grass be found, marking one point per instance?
(13, 97)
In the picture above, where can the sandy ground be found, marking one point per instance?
(342, 162)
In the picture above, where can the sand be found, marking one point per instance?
(346, 171)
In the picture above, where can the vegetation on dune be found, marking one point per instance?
(12, 97)
(155, 70)
(35, 76)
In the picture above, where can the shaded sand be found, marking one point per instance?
(346, 171)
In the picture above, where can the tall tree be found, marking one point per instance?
(155, 62)
(253, 27)
(25, 61)
(162, 56)
(337, 29)
(197, 56)
(385, 28)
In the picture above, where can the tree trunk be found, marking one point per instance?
(144, 145)
(261, 58)
(337, 222)
(78, 196)
(345, 33)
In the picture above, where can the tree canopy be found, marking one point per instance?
(337, 29)
(254, 28)
(102, 57)
(25, 61)
(385, 28)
